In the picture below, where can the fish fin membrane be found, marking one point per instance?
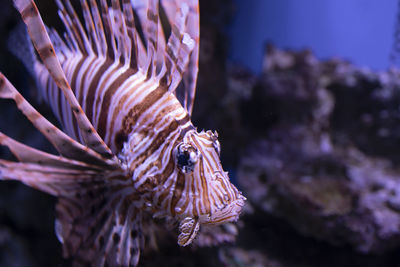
(97, 220)
(99, 225)
(65, 145)
(187, 89)
(45, 49)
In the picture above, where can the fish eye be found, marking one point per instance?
(186, 157)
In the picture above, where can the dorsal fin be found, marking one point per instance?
(98, 24)
(179, 47)
(186, 92)
(132, 34)
(114, 34)
(45, 49)
(151, 29)
(74, 26)
(121, 33)
(190, 75)
(90, 27)
(60, 46)
(170, 59)
(109, 34)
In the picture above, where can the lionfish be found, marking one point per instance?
(122, 83)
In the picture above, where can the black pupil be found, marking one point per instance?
(183, 159)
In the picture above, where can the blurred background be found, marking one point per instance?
(361, 31)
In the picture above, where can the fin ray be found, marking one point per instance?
(27, 154)
(106, 229)
(179, 48)
(64, 144)
(186, 92)
(55, 181)
(45, 49)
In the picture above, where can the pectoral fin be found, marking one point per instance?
(188, 228)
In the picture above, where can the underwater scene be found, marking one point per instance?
(305, 99)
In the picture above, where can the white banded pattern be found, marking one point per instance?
(105, 71)
(128, 146)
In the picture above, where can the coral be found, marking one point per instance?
(327, 162)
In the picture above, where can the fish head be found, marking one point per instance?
(206, 195)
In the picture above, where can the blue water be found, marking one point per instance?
(358, 30)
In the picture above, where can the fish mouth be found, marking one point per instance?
(189, 226)
(228, 213)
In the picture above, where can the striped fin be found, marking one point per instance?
(151, 29)
(52, 180)
(90, 28)
(101, 231)
(170, 59)
(115, 31)
(136, 46)
(120, 27)
(140, 16)
(179, 47)
(186, 93)
(60, 46)
(43, 45)
(27, 154)
(74, 27)
(109, 34)
(90, 197)
(190, 75)
(97, 221)
(148, 17)
(64, 144)
(100, 40)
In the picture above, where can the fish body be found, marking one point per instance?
(122, 86)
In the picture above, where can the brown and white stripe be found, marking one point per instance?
(113, 86)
